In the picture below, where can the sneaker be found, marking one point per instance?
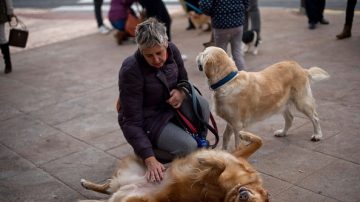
(184, 57)
(104, 30)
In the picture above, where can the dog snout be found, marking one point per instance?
(244, 194)
(200, 67)
(199, 63)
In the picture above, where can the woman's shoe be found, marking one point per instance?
(346, 33)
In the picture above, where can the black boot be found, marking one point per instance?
(346, 33)
(6, 54)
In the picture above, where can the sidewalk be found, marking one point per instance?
(58, 122)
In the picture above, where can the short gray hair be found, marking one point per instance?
(151, 33)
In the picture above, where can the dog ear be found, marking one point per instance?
(198, 62)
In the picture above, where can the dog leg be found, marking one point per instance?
(313, 116)
(288, 122)
(307, 106)
(238, 138)
(213, 166)
(226, 136)
(248, 150)
(101, 188)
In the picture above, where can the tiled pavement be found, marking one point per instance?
(58, 123)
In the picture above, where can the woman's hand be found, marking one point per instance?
(155, 170)
(176, 98)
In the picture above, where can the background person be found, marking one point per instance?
(103, 29)
(227, 20)
(315, 12)
(158, 10)
(118, 13)
(253, 18)
(6, 13)
(149, 95)
(350, 7)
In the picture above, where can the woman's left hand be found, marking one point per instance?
(176, 98)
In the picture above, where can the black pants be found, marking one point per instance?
(98, 12)
(314, 10)
(350, 7)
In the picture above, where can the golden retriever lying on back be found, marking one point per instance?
(205, 175)
(242, 98)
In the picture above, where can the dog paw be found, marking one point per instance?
(83, 183)
(280, 133)
(255, 52)
(316, 137)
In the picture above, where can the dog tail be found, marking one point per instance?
(317, 74)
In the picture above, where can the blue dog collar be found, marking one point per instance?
(224, 80)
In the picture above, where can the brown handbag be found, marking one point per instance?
(131, 23)
(18, 34)
(133, 20)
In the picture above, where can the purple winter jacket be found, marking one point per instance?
(143, 94)
(119, 9)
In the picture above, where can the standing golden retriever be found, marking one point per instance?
(242, 98)
(205, 175)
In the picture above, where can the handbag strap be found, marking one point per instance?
(17, 22)
(190, 90)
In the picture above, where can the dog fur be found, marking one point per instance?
(205, 175)
(253, 96)
(200, 21)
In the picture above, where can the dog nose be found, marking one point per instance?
(200, 67)
(243, 194)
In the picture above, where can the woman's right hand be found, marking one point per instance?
(155, 169)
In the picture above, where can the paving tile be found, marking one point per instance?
(109, 141)
(40, 143)
(340, 114)
(105, 100)
(91, 164)
(12, 164)
(121, 151)
(33, 185)
(297, 194)
(90, 127)
(274, 186)
(292, 163)
(7, 111)
(345, 145)
(61, 112)
(28, 99)
(339, 180)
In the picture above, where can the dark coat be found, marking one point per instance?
(5, 10)
(143, 94)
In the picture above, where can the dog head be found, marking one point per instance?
(216, 63)
(247, 194)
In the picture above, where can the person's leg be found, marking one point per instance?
(5, 50)
(254, 14)
(173, 142)
(310, 7)
(320, 12)
(236, 48)
(98, 12)
(221, 38)
(350, 7)
(120, 34)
